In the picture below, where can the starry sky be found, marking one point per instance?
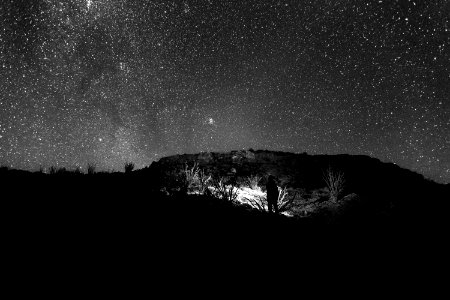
(112, 81)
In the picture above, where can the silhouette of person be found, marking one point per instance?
(272, 194)
(233, 178)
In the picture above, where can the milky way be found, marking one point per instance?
(113, 81)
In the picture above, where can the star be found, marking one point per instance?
(111, 81)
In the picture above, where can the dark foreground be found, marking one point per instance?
(72, 233)
(126, 211)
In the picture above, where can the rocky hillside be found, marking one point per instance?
(383, 190)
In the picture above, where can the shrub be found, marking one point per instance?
(259, 202)
(57, 171)
(91, 169)
(195, 179)
(225, 190)
(335, 183)
(203, 181)
(129, 166)
(253, 181)
(190, 176)
(52, 170)
(283, 201)
(61, 171)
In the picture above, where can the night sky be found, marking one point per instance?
(111, 81)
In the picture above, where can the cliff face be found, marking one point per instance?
(295, 170)
(300, 170)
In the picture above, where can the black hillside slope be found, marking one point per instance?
(146, 204)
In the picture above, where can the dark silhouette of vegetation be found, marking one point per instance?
(52, 170)
(259, 202)
(91, 169)
(129, 167)
(61, 171)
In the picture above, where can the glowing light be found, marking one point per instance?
(211, 121)
(88, 4)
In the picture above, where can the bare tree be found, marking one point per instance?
(226, 191)
(284, 201)
(190, 176)
(203, 181)
(335, 183)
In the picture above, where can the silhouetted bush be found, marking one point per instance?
(258, 202)
(61, 171)
(129, 166)
(52, 170)
(91, 169)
